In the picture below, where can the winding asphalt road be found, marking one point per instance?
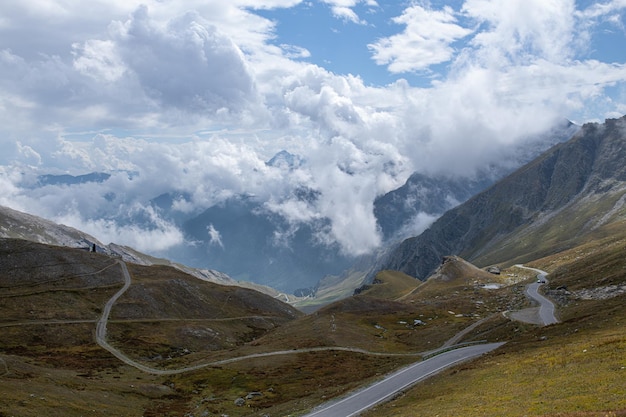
(546, 307)
(349, 406)
(392, 384)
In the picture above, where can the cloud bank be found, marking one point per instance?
(197, 98)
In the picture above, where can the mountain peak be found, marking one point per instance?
(285, 160)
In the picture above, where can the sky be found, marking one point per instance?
(195, 96)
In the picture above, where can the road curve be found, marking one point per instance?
(101, 330)
(392, 384)
(101, 324)
(546, 307)
(349, 406)
(400, 379)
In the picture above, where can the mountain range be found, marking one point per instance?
(546, 206)
(178, 345)
(243, 238)
(408, 210)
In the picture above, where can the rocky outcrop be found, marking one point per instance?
(432, 195)
(566, 179)
(563, 296)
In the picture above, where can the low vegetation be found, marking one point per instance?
(575, 368)
(50, 364)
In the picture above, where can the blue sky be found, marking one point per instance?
(338, 44)
(341, 45)
(195, 95)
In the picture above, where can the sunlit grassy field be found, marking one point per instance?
(576, 368)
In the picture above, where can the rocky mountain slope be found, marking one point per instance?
(548, 205)
(406, 211)
(19, 225)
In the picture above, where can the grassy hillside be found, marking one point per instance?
(50, 300)
(570, 227)
(391, 285)
(575, 368)
(51, 297)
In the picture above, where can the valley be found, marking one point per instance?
(296, 208)
(114, 332)
(53, 363)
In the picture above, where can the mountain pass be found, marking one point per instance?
(392, 384)
(546, 307)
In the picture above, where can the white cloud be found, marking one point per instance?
(160, 237)
(344, 9)
(418, 224)
(294, 51)
(215, 238)
(28, 154)
(182, 65)
(607, 8)
(187, 64)
(524, 29)
(196, 99)
(98, 59)
(426, 40)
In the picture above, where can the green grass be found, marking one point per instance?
(532, 375)
(576, 368)
(580, 372)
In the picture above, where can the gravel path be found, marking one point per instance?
(101, 330)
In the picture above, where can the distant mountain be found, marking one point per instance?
(250, 243)
(546, 206)
(66, 179)
(404, 212)
(284, 159)
(398, 211)
(247, 241)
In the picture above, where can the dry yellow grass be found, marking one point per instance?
(573, 369)
(571, 374)
(391, 285)
(529, 376)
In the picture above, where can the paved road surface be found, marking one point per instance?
(457, 337)
(546, 307)
(360, 401)
(392, 384)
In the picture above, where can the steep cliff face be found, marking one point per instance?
(403, 212)
(568, 191)
(397, 210)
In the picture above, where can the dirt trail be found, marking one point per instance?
(455, 339)
(101, 329)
